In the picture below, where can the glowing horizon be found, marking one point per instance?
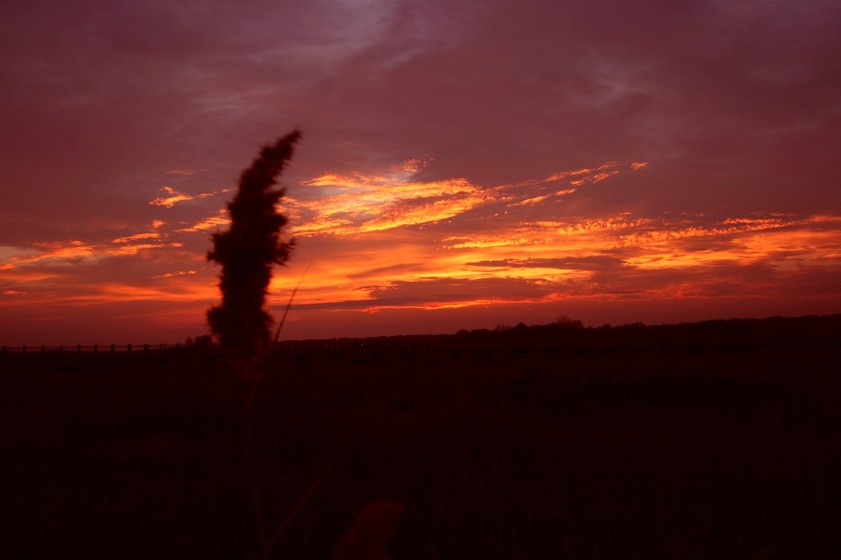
(390, 242)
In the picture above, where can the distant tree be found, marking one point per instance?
(247, 251)
(200, 341)
(567, 323)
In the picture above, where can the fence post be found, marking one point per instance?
(128, 348)
(95, 348)
(113, 348)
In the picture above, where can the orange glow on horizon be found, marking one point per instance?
(378, 242)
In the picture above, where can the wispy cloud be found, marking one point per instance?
(74, 251)
(217, 220)
(622, 257)
(350, 205)
(174, 274)
(173, 197)
(358, 204)
(137, 237)
(483, 247)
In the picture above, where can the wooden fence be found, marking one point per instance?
(92, 348)
(359, 349)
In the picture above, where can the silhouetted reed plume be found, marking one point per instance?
(247, 251)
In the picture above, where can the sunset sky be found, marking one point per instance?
(463, 165)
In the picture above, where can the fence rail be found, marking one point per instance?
(453, 346)
(347, 348)
(92, 348)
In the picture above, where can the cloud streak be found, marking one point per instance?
(174, 197)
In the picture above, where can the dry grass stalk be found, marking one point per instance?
(247, 252)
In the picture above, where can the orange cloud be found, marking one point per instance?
(585, 171)
(174, 274)
(218, 220)
(61, 253)
(537, 199)
(518, 246)
(137, 237)
(608, 257)
(169, 201)
(174, 197)
(361, 204)
(364, 203)
(67, 251)
(376, 205)
(594, 178)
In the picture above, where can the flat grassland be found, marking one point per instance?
(499, 446)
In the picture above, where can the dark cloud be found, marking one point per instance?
(440, 292)
(719, 97)
(596, 262)
(397, 269)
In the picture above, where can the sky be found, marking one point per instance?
(463, 164)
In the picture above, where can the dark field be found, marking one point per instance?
(642, 444)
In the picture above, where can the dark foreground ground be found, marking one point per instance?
(643, 451)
